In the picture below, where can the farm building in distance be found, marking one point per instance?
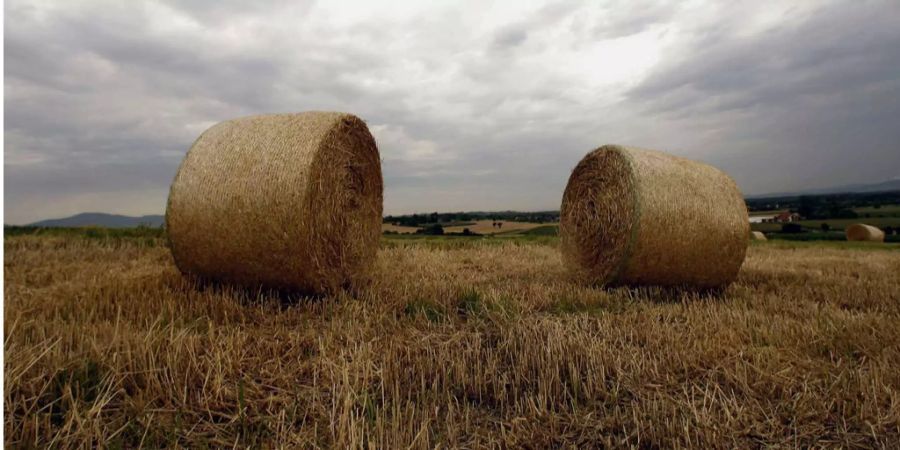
(783, 217)
(762, 219)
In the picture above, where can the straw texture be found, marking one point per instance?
(863, 232)
(287, 201)
(757, 236)
(640, 217)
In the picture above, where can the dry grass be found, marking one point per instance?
(398, 228)
(453, 343)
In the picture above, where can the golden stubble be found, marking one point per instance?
(454, 343)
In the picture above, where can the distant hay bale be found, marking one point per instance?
(641, 217)
(287, 201)
(863, 232)
(757, 236)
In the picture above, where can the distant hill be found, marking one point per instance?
(102, 220)
(884, 186)
(155, 220)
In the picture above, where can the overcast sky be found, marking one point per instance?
(474, 107)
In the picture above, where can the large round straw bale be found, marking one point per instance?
(757, 236)
(641, 217)
(863, 232)
(287, 201)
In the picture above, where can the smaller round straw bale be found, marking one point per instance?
(757, 236)
(284, 201)
(641, 217)
(863, 232)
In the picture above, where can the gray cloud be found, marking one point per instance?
(472, 108)
(511, 37)
(620, 19)
(805, 103)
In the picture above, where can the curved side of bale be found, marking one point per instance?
(758, 236)
(288, 201)
(863, 232)
(640, 217)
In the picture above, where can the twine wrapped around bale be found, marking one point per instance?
(641, 217)
(757, 236)
(284, 201)
(863, 232)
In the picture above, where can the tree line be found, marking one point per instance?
(462, 218)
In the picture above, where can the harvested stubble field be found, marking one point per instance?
(454, 342)
(398, 228)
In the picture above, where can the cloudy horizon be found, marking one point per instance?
(473, 108)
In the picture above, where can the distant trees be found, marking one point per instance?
(807, 206)
(826, 205)
(418, 220)
(825, 227)
(838, 211)
(433, 229)
(791, 228)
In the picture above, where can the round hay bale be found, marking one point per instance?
(757, 236)
(285, 201)
(863, 232)
(641, 217)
